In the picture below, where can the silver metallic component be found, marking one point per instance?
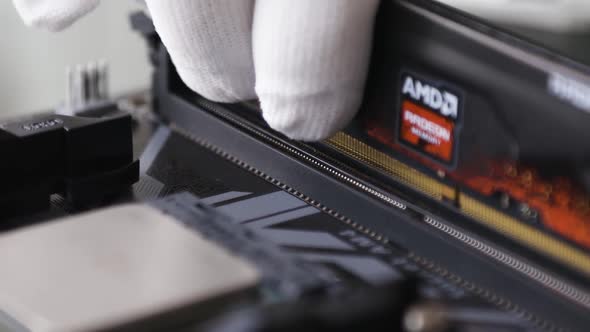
(102, 270)
(79, 89)
(103, 80)
(68, 106)
(505, 201)
(93, 82)
(436, 317)
(426, 318)
(87, 85)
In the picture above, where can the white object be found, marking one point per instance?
(552, 15)
(306, 60)
(101, 270)
(51, 15)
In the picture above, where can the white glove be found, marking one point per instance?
(306, 60)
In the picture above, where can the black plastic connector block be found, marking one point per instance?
(85, 159)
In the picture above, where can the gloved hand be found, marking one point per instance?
(306, 60)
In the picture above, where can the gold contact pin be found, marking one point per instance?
(504, 223)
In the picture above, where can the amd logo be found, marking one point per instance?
(443, 101)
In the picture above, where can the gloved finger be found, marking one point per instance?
(311, 59)
(210, 43)
(51, 14)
